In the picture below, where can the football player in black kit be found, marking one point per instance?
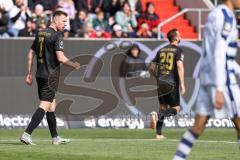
(49, 50)
(168, 66)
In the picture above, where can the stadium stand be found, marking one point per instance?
(166, 9)
(20, 17)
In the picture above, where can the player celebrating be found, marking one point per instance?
(218, 74)
(48, 46)
(170, 68)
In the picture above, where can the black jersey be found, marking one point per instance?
(166, 60)
(45, 45)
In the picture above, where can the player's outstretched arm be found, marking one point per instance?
(180, 68)
(30, 57)
(63, 59)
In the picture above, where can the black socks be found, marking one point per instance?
(52, 124)
(159, 124)
(166, 113)
(36, 120)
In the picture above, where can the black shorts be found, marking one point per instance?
(172, 99)
(46, 90)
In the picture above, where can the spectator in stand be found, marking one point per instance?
(144, 31)
(117, 32)
(39, 17)
(100, 21)
(81, 5)
(80, 24)
(6, 5)
(115, 6)
(127, 20)
(150, 18)
(105, 6)
(3, 22)
(48, 5)
(136, 7)
(108, 6)
(111, 22)
(92, 6)
(68, 7)
(30, 30)
(99, 33)
(18, 16)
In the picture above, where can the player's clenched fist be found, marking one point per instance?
(29, 79)
(219, 99)
(182, 89)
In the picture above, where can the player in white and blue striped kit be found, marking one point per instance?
(218, 75)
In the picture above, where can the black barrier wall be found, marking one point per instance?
(95, 95)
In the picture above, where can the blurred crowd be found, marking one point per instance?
(86, 18)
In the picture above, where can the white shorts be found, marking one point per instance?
(206, 98)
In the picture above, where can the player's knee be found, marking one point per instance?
(45, 105)
(52, 108)
(44, 108)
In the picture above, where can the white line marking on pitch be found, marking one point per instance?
(121, 139)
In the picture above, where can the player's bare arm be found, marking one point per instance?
(180, 68)
(219, 98)
(63, 59)
(30, 57)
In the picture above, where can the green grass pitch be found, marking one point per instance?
(117, 144)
